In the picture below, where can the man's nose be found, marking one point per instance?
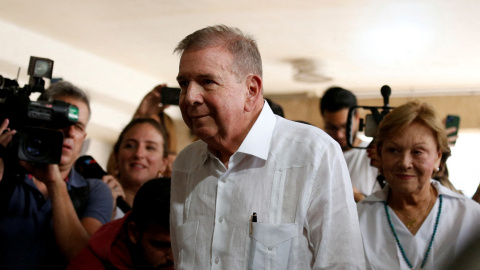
(340, 133)
(193, 94)
(68, 131)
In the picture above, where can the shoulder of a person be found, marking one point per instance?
(96, 183)
(196, 147)
(378, 197)
(301, 132)
(462, 200)
(111, 228)
(190, 155)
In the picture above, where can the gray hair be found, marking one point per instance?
(65, 89)
(246, 56)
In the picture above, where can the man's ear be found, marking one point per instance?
(132, 232)
(254, 85)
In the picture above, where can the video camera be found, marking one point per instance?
(370, 124)
(38, 139)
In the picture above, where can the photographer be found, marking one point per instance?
(334, 107)
(48, 215)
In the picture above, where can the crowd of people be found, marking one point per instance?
(255, 191)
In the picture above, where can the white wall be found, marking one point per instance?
(463, 165)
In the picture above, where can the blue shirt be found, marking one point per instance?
(26, 232)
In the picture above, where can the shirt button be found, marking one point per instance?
(217, 260)
(220, 219)
(270, 248)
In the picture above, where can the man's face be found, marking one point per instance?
(212, 100)
(336, 126)
(73, 135)
(153, 248)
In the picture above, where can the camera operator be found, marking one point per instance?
(47, 217)
(334, 107)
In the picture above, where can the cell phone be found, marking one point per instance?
(170, 95)
(452, 121)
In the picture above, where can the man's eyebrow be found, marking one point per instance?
(200, 76)
(80, 124)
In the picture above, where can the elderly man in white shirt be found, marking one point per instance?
(256, 191)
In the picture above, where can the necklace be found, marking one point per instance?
(431, 240)
(413, 220)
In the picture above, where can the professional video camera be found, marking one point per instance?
(38, 138)
(370, 123)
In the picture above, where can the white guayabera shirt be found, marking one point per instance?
(293, 176)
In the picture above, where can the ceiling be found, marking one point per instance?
(416, 47)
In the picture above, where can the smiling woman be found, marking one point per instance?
(141, 155)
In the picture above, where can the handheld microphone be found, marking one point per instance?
(88, 167)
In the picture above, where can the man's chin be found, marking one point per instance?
(203, 132)
(65, 160)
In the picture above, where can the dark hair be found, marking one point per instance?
(65, 89)
(137, 121)
(276, 108)
(246, 56)
(336, 98)
(151, 204)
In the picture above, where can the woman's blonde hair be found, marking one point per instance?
(414, 112)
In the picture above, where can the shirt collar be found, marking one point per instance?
(257, 142)
(381, 195)
(75, 179)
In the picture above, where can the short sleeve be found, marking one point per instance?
(100, 201)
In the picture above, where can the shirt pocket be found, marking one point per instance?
(271, 246)
(187, 237)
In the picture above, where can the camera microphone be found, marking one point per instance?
(88, 167)
(386, 92)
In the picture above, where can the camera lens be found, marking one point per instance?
(35, 147)
(40, 145)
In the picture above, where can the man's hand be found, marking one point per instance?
(372, 154)
(47, 173)
(451, 130)
(452, 139)
(357, 195)
(5, 133)
(151, 105)
(6, 136)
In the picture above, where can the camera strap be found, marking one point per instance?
(79, 197)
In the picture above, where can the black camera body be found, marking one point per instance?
(38, 138)
(370, 123)
(170, 95)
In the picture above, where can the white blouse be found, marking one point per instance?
(459, 223)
